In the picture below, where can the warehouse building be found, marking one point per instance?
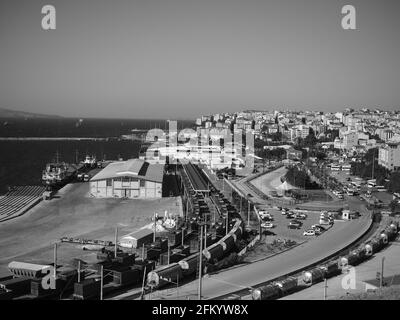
(133, 178)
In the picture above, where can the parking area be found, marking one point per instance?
(281, 222)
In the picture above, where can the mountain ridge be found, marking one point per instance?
(8, 113)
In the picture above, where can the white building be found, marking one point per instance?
(133, 178)
(389, 156)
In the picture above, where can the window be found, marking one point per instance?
(109, 182)
(125, 179)
(142, 183)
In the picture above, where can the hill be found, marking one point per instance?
(7, 113)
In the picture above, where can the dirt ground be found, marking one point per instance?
(73, 213)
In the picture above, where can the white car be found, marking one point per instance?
(309, 233)
(267, 225)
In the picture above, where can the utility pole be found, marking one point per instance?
(101, 282)
(169, 252)
(55, 261)
(227, 223)
(144, 278)
(79, 271)
(115, 242)
(325, 288)
(381, 277)
(205, 236)
(373, 164)
(248, 213)
(200, 262)
(154, 234)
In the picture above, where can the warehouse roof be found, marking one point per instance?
(134, 168)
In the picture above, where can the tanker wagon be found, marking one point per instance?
(313, 276)
(268, 292)
(330, 269)
(164, 276)
(287, 285)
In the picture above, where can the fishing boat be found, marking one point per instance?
(57, 174)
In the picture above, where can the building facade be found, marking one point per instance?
(389, 156)
(131, 179)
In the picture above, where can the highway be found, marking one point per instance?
(339, 236)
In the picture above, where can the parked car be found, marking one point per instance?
(294, 225)
(267, 218)
(317, 226)
(310, 232)
(267, 225)
(317, 231)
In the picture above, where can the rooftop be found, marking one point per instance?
(131, 168)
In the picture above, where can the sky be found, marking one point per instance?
(179, 59)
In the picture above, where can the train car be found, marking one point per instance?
(189, 265)
(373, 246)
(312, 276)
(165, 275)
(391, 232)
(384, 238)
(357, 256)
(227, 242)
(214, 252)
(287, 285)
(330, 269)
(268, 292)
(394, 226)
(352, 259)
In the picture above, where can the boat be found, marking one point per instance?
(57, 174)
(90, 162)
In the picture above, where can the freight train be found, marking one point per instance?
(188, 266)
(329, 269)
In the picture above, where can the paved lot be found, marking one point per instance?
(30, 238)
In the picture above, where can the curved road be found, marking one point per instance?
(339, 236)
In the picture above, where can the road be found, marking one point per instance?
(241, 277)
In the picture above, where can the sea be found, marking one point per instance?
(22, 161)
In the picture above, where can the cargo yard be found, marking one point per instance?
(162, 234)
(73, 213)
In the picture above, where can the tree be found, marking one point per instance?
(394, 182)
(394, 206)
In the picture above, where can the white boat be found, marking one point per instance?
(90, 161)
